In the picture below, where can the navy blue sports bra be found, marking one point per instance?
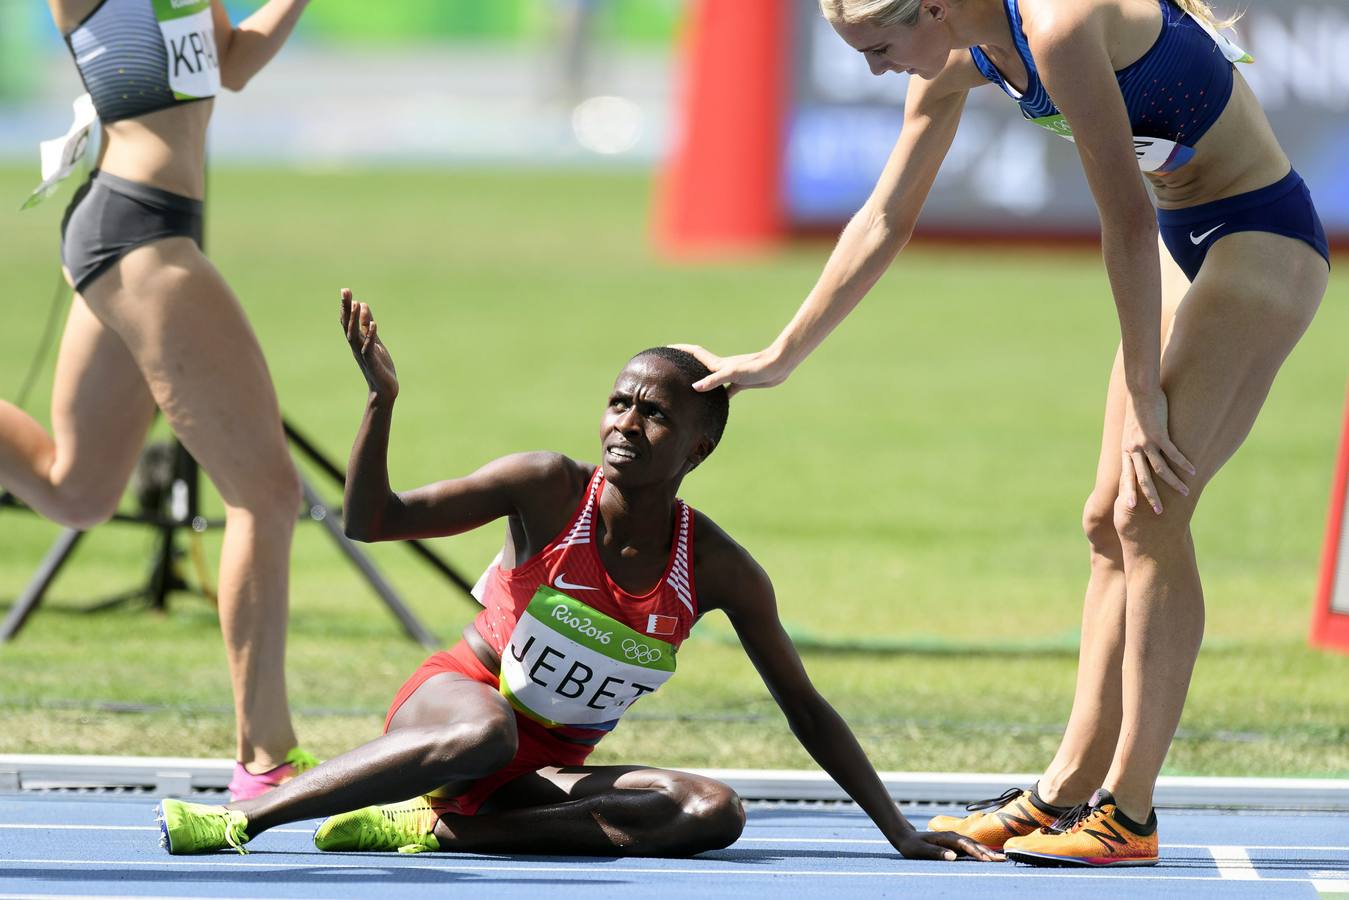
(1173, 93)
(139, 56)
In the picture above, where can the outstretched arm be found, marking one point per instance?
(752, 609)
(246, 49)
(871, 240)
(528, 485)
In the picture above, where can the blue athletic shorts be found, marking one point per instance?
(1284, 207)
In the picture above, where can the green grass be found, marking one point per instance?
(919, 481)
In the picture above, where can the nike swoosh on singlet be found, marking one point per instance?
(1199, 240)
(561, 582)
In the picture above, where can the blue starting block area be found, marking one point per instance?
(107, 845)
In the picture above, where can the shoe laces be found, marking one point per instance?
(397, 824)
(236, 830)
(205, 829)
(998, 802)
(1075, 818)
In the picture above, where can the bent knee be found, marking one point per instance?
(478, 748)
(81, 507)
(82, 517)
(712, 810)
(1098, 522)
(271, 495)
(1139, 526)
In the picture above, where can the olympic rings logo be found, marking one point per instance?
(640, 653)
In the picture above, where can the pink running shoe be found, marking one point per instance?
(245, 785)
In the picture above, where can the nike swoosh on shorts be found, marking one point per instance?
(1199, 240)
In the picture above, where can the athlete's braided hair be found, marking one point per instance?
(715, 404)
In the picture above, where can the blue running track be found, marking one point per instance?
(95, 845)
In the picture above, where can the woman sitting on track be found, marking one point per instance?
(154, 324)
(1144, 84)
(603, 574)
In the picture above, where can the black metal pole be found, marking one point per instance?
(42, 579)
(318, 511)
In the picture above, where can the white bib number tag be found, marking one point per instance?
(189, 41)
(1154, 155)
(567, 664)
(61, 155)
(1159, 156)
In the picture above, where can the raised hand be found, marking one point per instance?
(358, 323)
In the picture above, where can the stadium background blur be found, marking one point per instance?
(914, 490)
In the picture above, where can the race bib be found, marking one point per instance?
(567, 664)
(60, 156)
(189, 41)
(1154, 155)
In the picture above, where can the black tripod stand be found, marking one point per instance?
(176, 508)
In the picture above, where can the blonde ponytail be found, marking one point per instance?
(1204, 13)
(886, 13)
(883, 13)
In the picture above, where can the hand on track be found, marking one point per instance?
(945, 845)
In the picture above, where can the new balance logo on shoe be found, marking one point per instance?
(1018, 818)
(1110, 841)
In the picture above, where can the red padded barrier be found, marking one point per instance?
(1330, 627)
(721, 191)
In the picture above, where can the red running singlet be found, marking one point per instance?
(576, 649)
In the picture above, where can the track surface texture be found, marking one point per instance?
(62, 845)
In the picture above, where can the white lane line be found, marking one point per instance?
(1262, 847)
(1165, 846)
(748, 839)
(137, 897)
(1234, 863)
(711, 870)
(44, 827)
(1330, 885)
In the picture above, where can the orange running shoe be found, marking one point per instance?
(1094, 834)
(992, 822)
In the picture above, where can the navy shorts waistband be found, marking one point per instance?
(1284, 208)
(1205, 212)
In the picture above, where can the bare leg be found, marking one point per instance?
(101, 410)
(204, 368)
(601, 811)
(1089, 740)
(1251, 302)
(451, 731)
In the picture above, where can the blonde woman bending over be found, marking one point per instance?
(1137, 84)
